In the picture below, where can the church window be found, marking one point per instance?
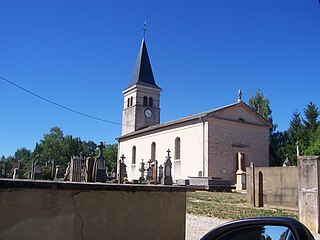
(177, 145)
(128, 102)
(150, 102)
(153, 151)
(131, 101)
(134, 153)
(145, 101)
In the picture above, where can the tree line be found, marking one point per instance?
(57, 148)
(303, 134)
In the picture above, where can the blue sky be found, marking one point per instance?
(81, 54)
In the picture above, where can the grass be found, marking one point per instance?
(228, 206)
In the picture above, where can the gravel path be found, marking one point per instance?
(197, 226)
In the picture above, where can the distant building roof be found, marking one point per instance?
(142, 73)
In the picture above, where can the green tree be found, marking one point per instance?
(277, 143)
(88, 148)
(52, 146)
(72, 146)
(314, 147)
(295, 136)
(311, 113)
(110, 154)
(9, 171)
(23, 156)
(261, 105)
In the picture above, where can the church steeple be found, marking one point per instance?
(141, 106)
(142, 73)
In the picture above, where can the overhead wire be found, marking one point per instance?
(57, 104)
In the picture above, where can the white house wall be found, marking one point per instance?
(192, 150)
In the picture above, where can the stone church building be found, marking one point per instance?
(206, 144)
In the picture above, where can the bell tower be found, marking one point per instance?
(141, 106)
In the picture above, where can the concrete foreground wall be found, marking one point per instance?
(59, 210)
(274, 186)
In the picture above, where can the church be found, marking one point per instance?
(216, 143)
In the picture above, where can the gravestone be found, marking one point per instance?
(76, 169)
(286, 162)
(50, 164)
(149, 171)
(122, 169)
(15, 173)
(160, 174)
(67, 173)
(167, 170)
(141, 170)
(100, 166)
(36, 168)
(57, 173)
(89, 169)
(155, 172)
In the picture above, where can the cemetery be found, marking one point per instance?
(83, 200)
(86, 202)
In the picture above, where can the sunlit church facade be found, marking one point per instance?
(206, 144)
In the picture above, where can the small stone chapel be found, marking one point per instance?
(216, 143)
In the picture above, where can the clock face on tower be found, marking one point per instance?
(148, 113)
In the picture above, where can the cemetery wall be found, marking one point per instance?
(61, 210)
(274, 186)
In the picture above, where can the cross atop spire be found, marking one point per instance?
(144, 28)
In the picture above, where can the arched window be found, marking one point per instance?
(128, 102)
(134, 154)
(177, 146)
(131, 101)
(153, 151)
(145, 101)
(150, 102)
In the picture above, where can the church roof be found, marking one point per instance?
(142, 73)
(199, 116)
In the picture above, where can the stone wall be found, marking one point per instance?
(309, 196)
(60, 210)
(274, 186)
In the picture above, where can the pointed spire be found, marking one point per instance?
(142, 73)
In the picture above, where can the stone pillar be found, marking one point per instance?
(308, 190)
(241, 175)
